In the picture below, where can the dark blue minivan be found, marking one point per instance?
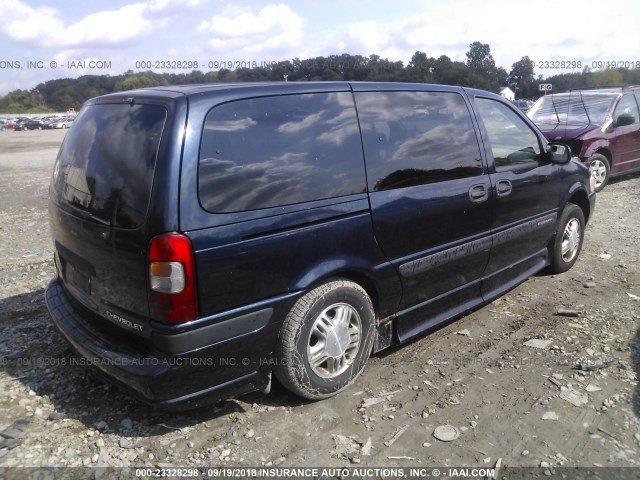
(209, 236)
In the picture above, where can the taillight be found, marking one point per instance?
(172, 279)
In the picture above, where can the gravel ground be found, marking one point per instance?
(570, 398)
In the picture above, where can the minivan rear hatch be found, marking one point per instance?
(99, 199)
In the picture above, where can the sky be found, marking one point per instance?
(43, 40)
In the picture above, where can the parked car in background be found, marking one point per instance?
(65, 122)
(31, 124)
(524, 105)
(48, 122)
(207, 236)
(16, 122)
(23, 124)
(601, 126)
(3, 125)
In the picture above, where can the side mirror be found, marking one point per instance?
(623, 120)
(558, 152)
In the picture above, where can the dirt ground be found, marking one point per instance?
(527, 406)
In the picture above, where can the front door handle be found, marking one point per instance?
(503, 188)
(479, 193)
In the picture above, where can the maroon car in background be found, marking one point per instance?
(601, 126)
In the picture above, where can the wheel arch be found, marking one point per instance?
(354, 275)
(385, 294)
(380, 281)
(602, 149)
(580, 198)
(607, 153)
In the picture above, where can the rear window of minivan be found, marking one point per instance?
(274, 151)
(106, 163)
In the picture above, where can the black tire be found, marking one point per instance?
(600, 165)
(343, 311)
(568, 240)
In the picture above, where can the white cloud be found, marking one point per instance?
(275, 28)
(365, 38)
(169, 5)
(44, 28)
(110, 26)
(449, 28)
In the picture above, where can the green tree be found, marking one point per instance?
(479, 58)
(18, 101)
(605, 78)
(479, 70)
(483, 72)
(420, 68)
(134, 82)
(631, 77)
(523, 76)
(448, 72)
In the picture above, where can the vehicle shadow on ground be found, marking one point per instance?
(35, 357)
(622, 178)
(635, 361)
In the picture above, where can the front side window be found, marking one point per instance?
(415, 138)
(274, 151)
(627, 106)
(512, 142)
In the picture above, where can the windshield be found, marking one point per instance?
(573, 109)
(106, 163)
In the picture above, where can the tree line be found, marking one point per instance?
(478, 70)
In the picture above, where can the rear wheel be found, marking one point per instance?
(325, 340)
(568, 241)
(600, 169)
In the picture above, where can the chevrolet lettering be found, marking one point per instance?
(123, 321)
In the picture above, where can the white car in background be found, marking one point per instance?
(63, 122)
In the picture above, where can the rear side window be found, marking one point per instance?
(106, 163)
(274, 151)
(413, 138)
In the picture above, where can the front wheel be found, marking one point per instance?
(600, 169)
(569, 237)
(325, 340)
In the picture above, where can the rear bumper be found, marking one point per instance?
(227, 362)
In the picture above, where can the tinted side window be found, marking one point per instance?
(512, 140)
(626, 106)
(413, 138)
(274, 151)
